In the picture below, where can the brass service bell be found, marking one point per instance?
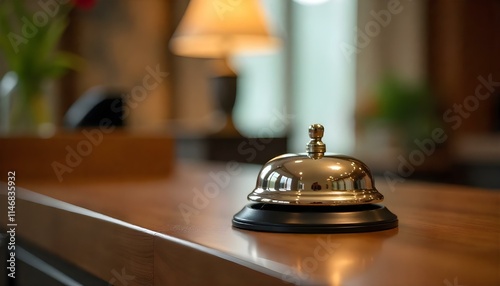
(315, 192)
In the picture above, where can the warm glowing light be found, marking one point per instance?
(208, 32)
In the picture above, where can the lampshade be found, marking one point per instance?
(216, 29)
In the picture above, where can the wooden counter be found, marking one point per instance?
(447, 235)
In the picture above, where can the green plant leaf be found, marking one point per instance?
(5, 29)
(38, 58)
(61, 63)
(50, 39)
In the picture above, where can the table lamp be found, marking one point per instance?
(218, 30)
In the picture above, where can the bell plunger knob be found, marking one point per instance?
(316, 148)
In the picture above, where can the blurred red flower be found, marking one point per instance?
(84, 4)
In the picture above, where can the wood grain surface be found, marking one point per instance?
(447, 235)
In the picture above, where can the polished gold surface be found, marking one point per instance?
(315, 178)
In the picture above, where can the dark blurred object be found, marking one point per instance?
(496, 113)
(480, 174)
(34, 266)
(478, 160)
(95, 105)
(225, 90)
(223, 149)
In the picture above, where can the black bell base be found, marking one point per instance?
(314, 219)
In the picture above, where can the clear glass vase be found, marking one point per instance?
(26, 107)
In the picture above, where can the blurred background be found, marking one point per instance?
(410, 87)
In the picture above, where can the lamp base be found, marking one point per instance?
(224, 89)
(314, 219)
